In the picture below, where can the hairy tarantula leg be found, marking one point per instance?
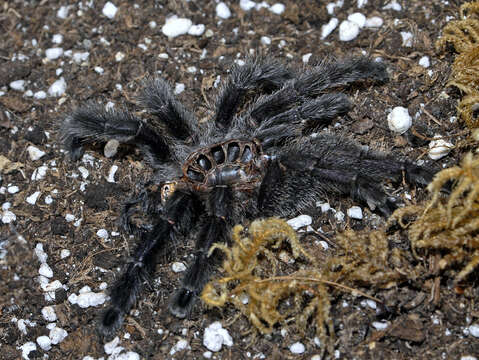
(214, 229)
(329, 74)
(181, 210)
(158, 98)
(256, 72)
(92, 123)
(312, 115)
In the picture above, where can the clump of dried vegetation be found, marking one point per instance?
(464, 36)
(449, 226)
(253, 272)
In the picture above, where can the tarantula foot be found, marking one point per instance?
(388, 205)
(75, 148)
(182, 303)
(110, 322)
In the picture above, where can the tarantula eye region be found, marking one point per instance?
(239, 163)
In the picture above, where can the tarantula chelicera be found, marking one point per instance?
(262, 161)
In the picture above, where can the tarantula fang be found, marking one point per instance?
(261, 161)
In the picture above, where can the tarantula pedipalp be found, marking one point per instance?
(260, 162)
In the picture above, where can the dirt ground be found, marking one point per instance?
(423, 329)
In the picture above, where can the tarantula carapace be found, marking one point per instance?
(262, 161)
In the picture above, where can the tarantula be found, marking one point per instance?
(263, 161)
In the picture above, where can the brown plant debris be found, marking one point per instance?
(451, 226)
(464, 36)
(302, 296)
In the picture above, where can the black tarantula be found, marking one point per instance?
(263, 161)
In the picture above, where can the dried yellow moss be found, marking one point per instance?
(451, 226)
(464, 36)
(301, 297)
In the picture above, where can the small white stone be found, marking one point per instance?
(247, 5)
(45, 270)
(393, 5)
(80, 57)
(40, 172)
(196, 30)
(13, 189)
(374, 22)
(358, 18)
(7, 205)
(371, 303)
(18, 85)
(110, 346)
(339, 216)
(44, 342)
(297, 348)
(152, 24)
(328, 28)
(35, 153)
(379, 325)
(181, 345)
(207, 354)
(27, 348)
(361, 3)
(223, 11)
(102, 233)
(176, 26)
(300, 221)
(316, 357)
(99, 70)
(8, 217)
(399, 120)
(62, 13)
(64, 253)
(468, 357)
(48, 199)
(32, 199)
(51, 286)
(58, 88)
(474, 330)
(119, 56)
(54, 53)
(57, 335)
(90, 298)
(163, 56)
(48, 313)
(424, 62)
(439, 148)
(109, 10)
(83, 171)
(69, 217)
(40, 95)
(277, 8)
(215, 337)
(355, 212)
(407, 38)
(265, 40)
(178, 267)
(41, 255)
(306, 57)
(348, 30)
(179, 88)
(111, 174)
(57, 39)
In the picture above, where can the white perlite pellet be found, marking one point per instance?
(474, 330)
(223, 11)
(247, 5)
(35, 153)
(179, 88)
(178, 267)
(300, 221)
(215, 337)
(358, 18)
(328, 28)
(439, 148)
(62, 12)
(58, 88)
(181, 345)
(57, 335)
(45, 270)
(57, 39)
(44, 342)
(379, 325)
(53, 53)
(64, 253)
(306, 57)
(48, 313)
(18, 85)
(32, 199)
(348, 30)
(297, 348)
(399, 120)
(40, 95)
(407, 38)
(27, 348)
(277, 8)
(111, 148)
(109, 10)
(355, 212)
(175, 26)
(111, 174)
(102, 233)
(8, 217)
(13, 189)
(196, 30)
(374, 22)
(424, 62)
(41, 255)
